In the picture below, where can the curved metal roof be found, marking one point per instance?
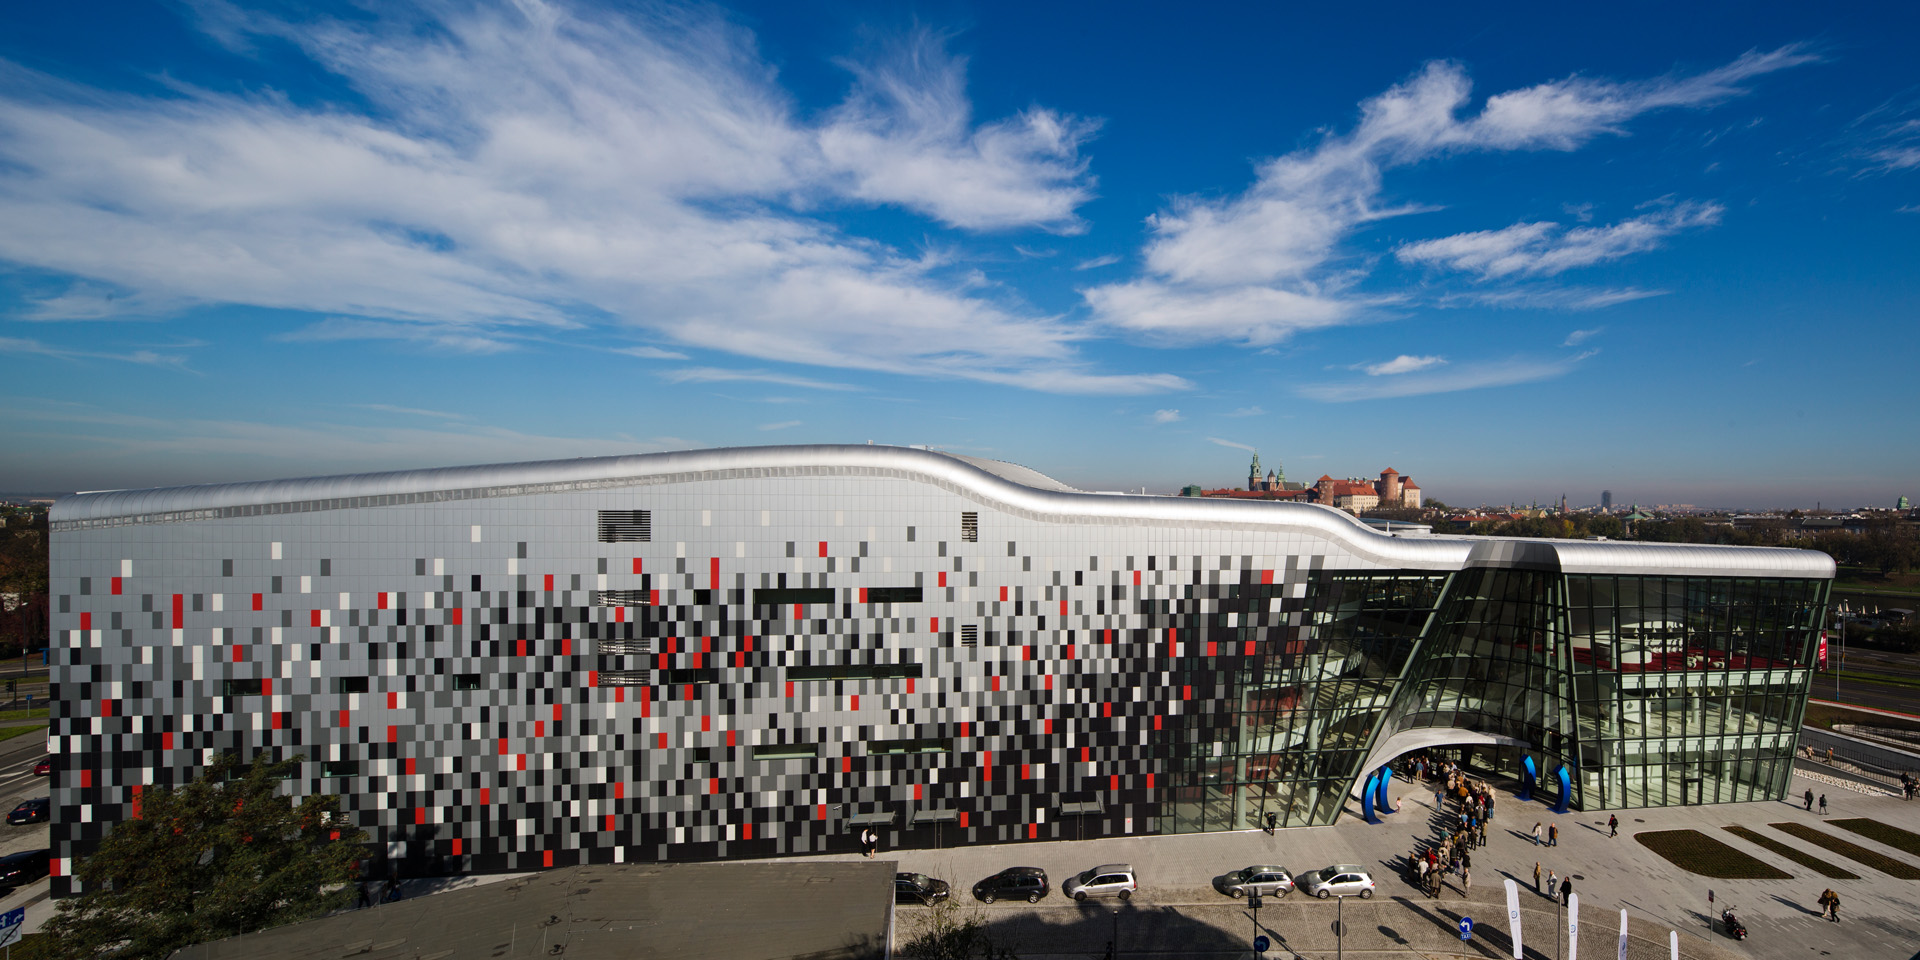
(1010, 487)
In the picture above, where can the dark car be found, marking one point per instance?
(44, 768)
(919, 888)
(30, 811)
(1013, 883)
(20, 869)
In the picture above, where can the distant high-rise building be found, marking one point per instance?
(1606, 501)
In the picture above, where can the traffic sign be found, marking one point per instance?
(1260, 944)
(11, 923)
(1466, 928)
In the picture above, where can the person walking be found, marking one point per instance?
(1536, 826)
(1829, 905)
(869, 842)
(1553, 834)
(1823, 804)
(1809, 799)
(1536, 876)
(1566, 891)
(1613, 826)
(1553, 882)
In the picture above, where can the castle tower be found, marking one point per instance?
(1253, 472)
(1389, 487)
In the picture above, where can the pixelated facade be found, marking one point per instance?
(751, 652)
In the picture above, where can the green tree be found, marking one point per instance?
(223, 855)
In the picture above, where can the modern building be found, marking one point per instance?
(1606, 501)
(752, 652)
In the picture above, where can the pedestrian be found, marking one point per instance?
(1553, 882)
(1436, 800)
(869, 842)
(1834, 908)
(365, 899)
(1829, 754)
(1483, 833)
(1553, 834)
(1536, 830)
(1566, 890)
(1823, 804)
(1466, 878)
(1809, 799)
(1613, 826)
(1536, 876)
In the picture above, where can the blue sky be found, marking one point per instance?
(1663, 250)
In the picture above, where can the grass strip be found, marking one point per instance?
(1850, 850)
(1875, 830)
(8, 733)
(1795, 854)
(1695, 852)
(37, 713)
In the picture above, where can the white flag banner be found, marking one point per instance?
(1513, 918)
(1623, 933)
(1573, 926)
(1673, 939)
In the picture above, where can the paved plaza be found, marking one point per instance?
(1177, 913)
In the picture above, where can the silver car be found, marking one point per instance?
(1106, 880)
(1339, 880)
(1267, 881)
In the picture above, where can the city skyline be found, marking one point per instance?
(1512, 255)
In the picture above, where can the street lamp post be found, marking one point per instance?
(1253, 900)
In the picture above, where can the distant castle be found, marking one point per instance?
(1354, 494)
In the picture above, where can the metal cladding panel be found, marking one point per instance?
(1696, 560)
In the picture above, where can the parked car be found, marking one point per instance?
(1339, 880)
(919, 888)
(30, 811)
(44, 768)
(20, 869)
(1013, 883)
(1267, 881)
(1106, 880)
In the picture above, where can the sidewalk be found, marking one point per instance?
(1882, 914)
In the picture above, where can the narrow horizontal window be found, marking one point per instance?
(922, 745)
(970, 635)
(702, 754)
(893, 594)
(622, 678)
(970, 526)
(780, 595)
(626, 526)
(621, 598)
(876, 671)
(622, 648)
(340, 768)
(466, 681)
(786, 751)
(690, 675)
(240, 688)
(352, 685)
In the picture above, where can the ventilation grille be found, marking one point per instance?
(623, 678)
(620, 598)
(970, 635)
(626, 526)
(970, 526)
(623, 648)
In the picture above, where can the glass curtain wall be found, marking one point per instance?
(1690, 689)
(1305, 708)
(1497, 663)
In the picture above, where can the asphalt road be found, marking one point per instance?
(17, 783)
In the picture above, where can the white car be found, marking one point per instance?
(1106, 880)
(1339, 880)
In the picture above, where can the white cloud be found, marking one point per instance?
(1454, 378)
(1231, 443)
(1546, 249)
(144, 357)
(1106, 260)
(1538, 297)
(1256, 265)
(1167, 416)
(1403, 363)
(536, 169)
(412, 411)
(649, 353)
(782, 425)
(1247, 412)
(718, 375)
(1579, 337)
